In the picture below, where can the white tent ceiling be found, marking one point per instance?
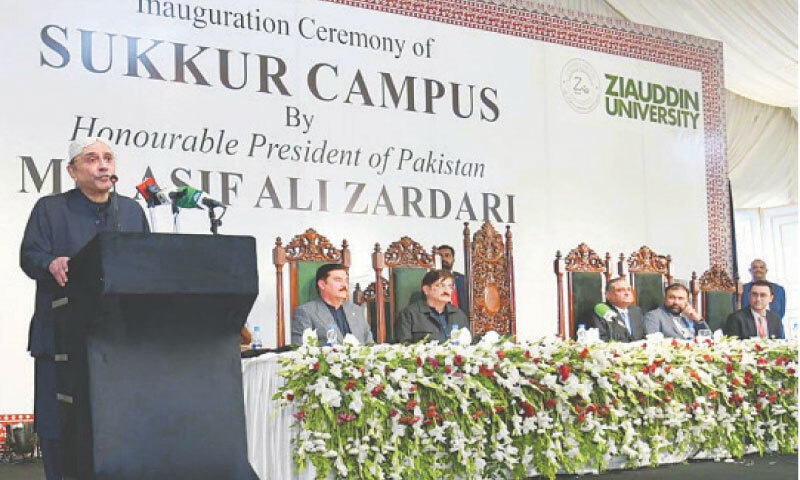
(759, 38)
(760, 60)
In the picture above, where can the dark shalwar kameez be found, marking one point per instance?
(59, 226)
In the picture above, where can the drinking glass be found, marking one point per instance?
(704, 334)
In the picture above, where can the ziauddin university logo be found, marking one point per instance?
(580, 85)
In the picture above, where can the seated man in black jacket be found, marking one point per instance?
(433, 316)
(755, 319)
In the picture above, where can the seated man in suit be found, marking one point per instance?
(331, 308)
(676, 318)
(758, 271)
(755, 320)
(628, 326)
(433, 316)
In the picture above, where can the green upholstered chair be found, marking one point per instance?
(586, 276)
(649, 275)
(489, 272)
(305, 253)
(406, 262)
(714, 295)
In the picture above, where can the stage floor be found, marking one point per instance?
(752, 467)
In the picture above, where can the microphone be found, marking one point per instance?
(605, 312)
(190, 197)
(152, 193)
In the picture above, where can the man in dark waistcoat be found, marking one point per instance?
(58, 227)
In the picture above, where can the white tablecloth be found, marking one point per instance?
(269, 428)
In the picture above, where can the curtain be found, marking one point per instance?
(762, 153)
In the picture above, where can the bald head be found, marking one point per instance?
(758, 269)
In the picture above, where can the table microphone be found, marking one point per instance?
(605, 312)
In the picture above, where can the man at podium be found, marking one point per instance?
(58, 227)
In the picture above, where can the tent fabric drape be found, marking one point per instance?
(762, 153)
(759, 37)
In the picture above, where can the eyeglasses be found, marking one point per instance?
(442, 285)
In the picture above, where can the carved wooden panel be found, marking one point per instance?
(312, 246)
(646, 260)
(716, 279)
(584, 259)
(408, 253)
(492, 297)
(370, 293)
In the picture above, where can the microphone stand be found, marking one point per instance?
(151, 206)
(215, 222)
(175, 219)
(115, 202)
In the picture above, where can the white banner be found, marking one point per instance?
(361, 124)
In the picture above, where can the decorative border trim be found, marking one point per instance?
(12, 419)
(523, 18)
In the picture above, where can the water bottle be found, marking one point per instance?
(331, 335)
(454, 334)
(256, 338)
(581, 334)
(688, 333)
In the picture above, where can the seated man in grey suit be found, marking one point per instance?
(627, 324)
(331, 308)
(676, 318)
(755, 320)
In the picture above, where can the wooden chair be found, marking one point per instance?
(304, 254)
(368, 297)
(489, 265)
(649, 275)
(715, 295)
(406, 262)
(585, 272)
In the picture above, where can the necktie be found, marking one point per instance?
(454, 297)
(341, 321)
(762, 326)
(627, 321)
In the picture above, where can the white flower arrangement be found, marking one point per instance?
(499, 409)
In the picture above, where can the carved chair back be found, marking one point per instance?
(489, 265)
(305, 253)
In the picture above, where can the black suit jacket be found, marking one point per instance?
(617, 331)
(416, 322)
(741, 324)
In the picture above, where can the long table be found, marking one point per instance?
(271, 428)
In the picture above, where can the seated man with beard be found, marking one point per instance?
(675, 318)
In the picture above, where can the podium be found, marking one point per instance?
(148, 366)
